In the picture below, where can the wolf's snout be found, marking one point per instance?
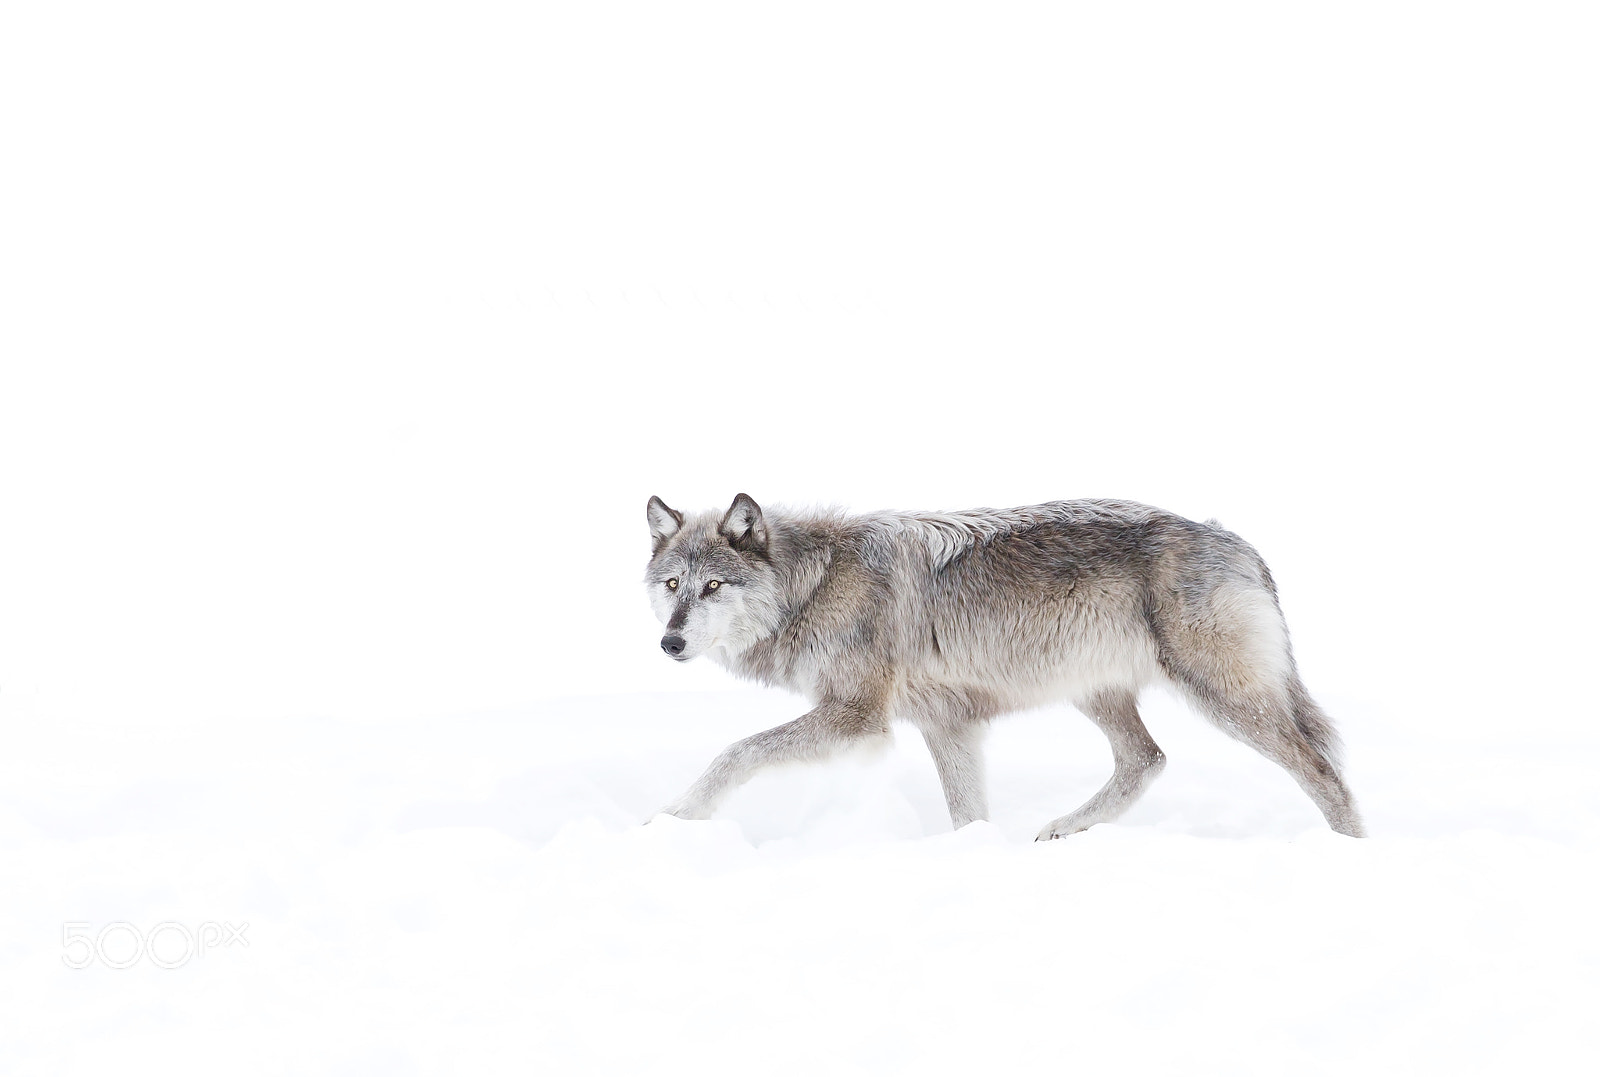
(673, 645)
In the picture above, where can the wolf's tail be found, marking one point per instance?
(1313, 725)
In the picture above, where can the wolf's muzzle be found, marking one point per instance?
(673, 645)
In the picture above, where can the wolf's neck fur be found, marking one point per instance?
(801, 551)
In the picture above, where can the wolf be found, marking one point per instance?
(947, 620)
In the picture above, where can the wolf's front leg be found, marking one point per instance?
(819, 733)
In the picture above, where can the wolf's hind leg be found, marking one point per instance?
(1137, 762)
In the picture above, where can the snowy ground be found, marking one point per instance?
(476, 894)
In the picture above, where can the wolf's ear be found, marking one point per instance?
(664, 522)
(744, 526)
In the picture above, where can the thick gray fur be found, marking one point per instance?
(947, 620)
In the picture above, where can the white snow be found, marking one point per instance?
(476, 894)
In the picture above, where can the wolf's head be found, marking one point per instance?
(711, 577)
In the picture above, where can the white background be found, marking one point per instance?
(341, 344)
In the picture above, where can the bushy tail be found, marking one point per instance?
(1313, 725)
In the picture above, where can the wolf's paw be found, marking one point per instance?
(686, 809)
(1064, 827)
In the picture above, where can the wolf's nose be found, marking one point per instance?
(673, 645)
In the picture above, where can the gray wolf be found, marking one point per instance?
(947, 620)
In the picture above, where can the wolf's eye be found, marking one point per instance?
(672, 584)
(713, 585)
